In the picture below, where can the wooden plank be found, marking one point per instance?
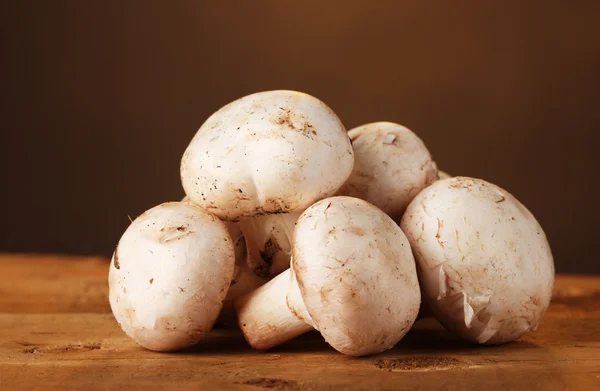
(56, 332)
(86, 350)
(53, 283)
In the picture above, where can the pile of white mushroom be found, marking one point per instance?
(291, 224)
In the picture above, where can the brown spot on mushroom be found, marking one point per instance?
(424, 208)
(273, 206)
(116, 259)
(502, 198)
(269, 250)
(295, 121)
(325, 292)
(357, 231)
(390, 139)
(151, 281)
(437, 235)
(167, 323)
(170, 233)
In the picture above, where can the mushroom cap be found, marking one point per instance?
(269, 152)
(391, 166)
(356, 275)
(484, 263)
(169, 275)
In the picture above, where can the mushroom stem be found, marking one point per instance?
(269, 316)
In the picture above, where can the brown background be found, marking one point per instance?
(99, 100)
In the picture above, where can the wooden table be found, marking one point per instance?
(57, 332)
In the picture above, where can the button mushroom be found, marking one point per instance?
(169, 275)
(352, 277)
(484, 263)
(392, 165)
(269, 152)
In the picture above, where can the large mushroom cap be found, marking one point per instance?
(356, 274)
(392, 165)
(169, 276)
(270, 152)
(484, 263)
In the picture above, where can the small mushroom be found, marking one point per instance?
(392, 165)
(484, 263)
(266, 153)
(352, 277)
(169, 276)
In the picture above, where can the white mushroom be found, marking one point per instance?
(352, 277)
(270, 152)
(169, 275)
(484, 263)
(392, 165)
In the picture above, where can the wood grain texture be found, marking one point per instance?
(56, 332)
